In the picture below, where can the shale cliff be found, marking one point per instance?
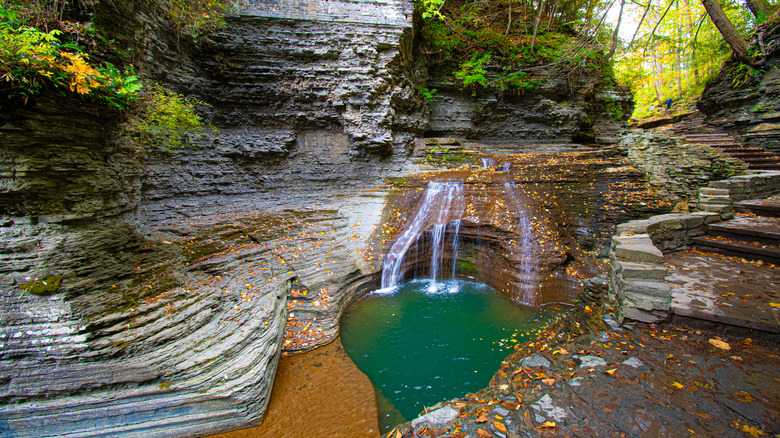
(148, 293)
(744, 100)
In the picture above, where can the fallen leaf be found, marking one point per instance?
(501, 428)
(549, 382)
(612, 371)
(484, 433)
(775, 305)
(481, 418)
(678, 385)
(548, 424)
(720, 344)
(752, 430)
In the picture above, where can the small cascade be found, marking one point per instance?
(488, 163)
(529, 280)
(506, 166)
(456, 225)
(442, 203)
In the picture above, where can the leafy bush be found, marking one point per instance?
(167, 120)
(32, 60)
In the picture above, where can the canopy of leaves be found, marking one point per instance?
(506, 44)
(675, 51)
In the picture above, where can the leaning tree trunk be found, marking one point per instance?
(729, 32)
(760, 8)
(616, 33)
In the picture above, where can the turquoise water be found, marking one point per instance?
(420, 346)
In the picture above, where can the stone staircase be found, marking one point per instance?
(694, 129)
(757, 158)
(754, 235)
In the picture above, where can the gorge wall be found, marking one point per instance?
(744, 100)
(148, 293)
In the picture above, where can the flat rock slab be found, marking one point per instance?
(660, 381)
(758, 227)
(724, 289)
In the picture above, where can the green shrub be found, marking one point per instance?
(167, 120)
(32, 60)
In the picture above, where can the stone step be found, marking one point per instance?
(760, 160)
(742, 249)
(719, 144)
(760, 207)
(766, 166)
(713, 135)
(749, 154)
(765, 230)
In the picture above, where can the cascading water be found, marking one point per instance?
(487, 163)
(441, 203)
(506, 166)
(529, 281)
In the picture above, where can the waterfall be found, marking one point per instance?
(441, 203)
(456, 225)
(506, 166)
(487, 163)
(529, 281)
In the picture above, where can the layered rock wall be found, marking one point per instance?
(747, 101)
(565, 109)
(675, 169)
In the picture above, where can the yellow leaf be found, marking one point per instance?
(483, 433)
(720, 344)
(549, 424)
(752, 430)
(588, 310)
(678, 385)
(612, 371)
(775, 305)
(501, 428)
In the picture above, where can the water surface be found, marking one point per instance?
(420, 345)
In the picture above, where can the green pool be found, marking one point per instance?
(421, 345)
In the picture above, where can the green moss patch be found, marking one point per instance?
(43, 286)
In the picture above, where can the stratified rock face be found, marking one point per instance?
(561, 111)
(59, 161)
(749, 103)
(309, 98)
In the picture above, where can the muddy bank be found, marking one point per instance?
(317, 394)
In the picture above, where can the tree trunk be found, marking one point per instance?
(760, 8)
(658, 70)
(729, 32)
(692, 63)
(536, 23)
(615, 34)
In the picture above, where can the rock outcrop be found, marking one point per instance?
(578, 108)
(746, 101)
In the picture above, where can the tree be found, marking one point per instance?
(760, 8)
(729, 32)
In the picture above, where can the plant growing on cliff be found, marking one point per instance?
(512, 45)
(32, 60)
(167, 120)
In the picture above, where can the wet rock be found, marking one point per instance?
(633, 362)
(438, 417)
(547, 411)
(535, 361)
(590, 361)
